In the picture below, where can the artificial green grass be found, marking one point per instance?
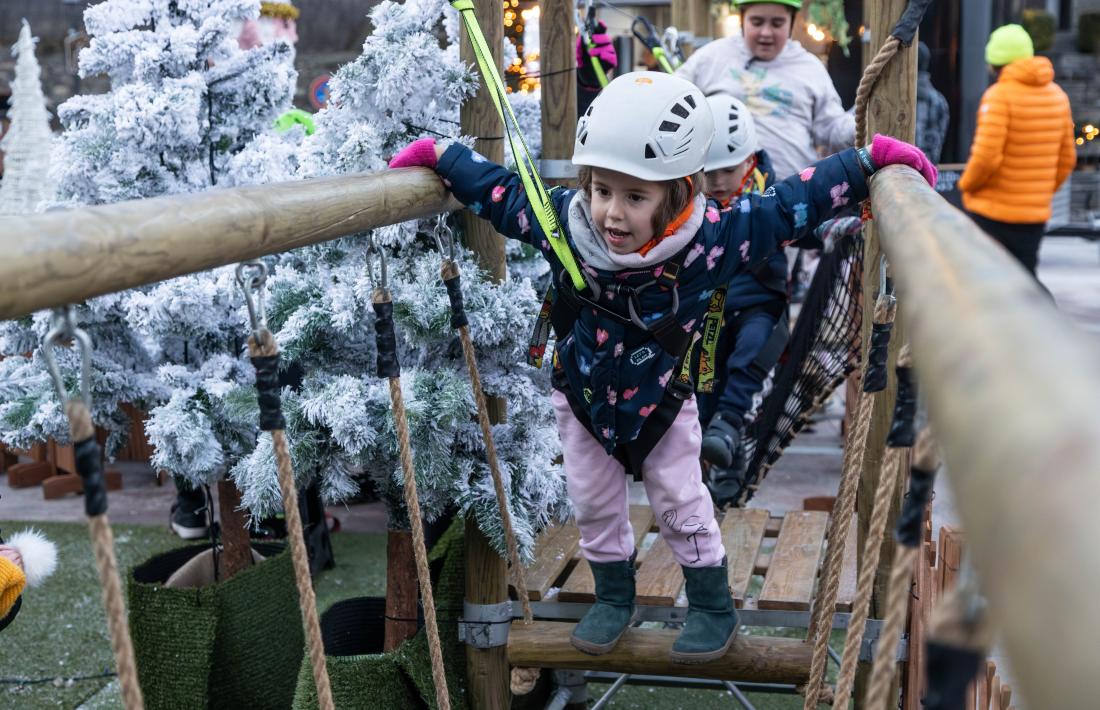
(61, 632)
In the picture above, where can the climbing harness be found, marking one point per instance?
(264, 353)
(89, 465)
(451, 276)
(389, 368)
(533, 185)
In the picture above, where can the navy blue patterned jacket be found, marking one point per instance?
(619, 371)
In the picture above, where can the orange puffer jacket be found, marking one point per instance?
(1023, 147)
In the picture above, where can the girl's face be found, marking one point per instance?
(724, 183)
(766, 28)
(623, 208)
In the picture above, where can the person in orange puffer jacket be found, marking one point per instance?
(1023, 148)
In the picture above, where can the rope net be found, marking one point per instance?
(823, 350)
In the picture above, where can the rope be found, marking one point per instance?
(519, 581)
(867, 84)
(103, 547)
(872, 548)
(416, 522)
(841, 520)
(412, 502)
(897, 595)
(262, 345)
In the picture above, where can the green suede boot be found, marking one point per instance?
(607, 619)
(711, 623)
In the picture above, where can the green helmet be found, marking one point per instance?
(296, 117)
(796, 4)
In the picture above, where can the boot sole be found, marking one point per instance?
(688, 659)
(185, 533)
(599, 649)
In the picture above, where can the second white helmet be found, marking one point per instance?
(650, 125)
(734, 133)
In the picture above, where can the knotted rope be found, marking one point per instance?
(452, 280)
(874, 381)
(901, 436)
(909, 534)
(264, 352)
(89, 465)
(390, 368)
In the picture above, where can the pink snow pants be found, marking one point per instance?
(673, 482)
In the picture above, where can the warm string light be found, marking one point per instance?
(515, 21)
(815, 32)
(1090, 132)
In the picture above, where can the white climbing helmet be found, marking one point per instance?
(650, 125)
(734, 133)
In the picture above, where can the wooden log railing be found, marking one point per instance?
(68, 256)
(1012, 388)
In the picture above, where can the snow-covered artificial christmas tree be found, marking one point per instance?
(404, 85)
(184, 100)
(26, 146)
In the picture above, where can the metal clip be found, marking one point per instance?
(444, 234)
(253, 288)
(885, 285)
(64, 328)
(485, 625)
(384, 283)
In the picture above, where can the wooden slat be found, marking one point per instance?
(659, 576)
(789, 584)
(553, 552)
(773, 526)
(580, 587)
(764, 659)
(846, 592)
(742, 535)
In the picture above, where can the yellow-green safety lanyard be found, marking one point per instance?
(532, 184)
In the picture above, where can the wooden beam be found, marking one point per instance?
(71, 255)
(559, 88)
(487, 675)
(1011, 385)
(763, 659)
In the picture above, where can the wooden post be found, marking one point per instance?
(487, 674)
(401, 589)
(692, 16)
(236, 546)
(559, 88)
(891, 111)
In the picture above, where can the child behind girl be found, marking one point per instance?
(651, 253)
(747, 327)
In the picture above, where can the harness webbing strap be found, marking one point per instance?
(532, 184)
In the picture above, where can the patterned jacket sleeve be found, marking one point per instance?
(789, 211)
(495, 193)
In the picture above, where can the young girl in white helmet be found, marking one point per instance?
(651, 251)
(747, 326)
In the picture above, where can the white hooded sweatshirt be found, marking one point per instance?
(792, 99)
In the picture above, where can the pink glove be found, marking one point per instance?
(603, 51)
(418, 154)
(890, 151)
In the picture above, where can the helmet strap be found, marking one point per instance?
(679, 221)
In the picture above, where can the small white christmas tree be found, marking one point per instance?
(27, 144)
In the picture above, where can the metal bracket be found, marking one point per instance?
(557, 169)
(485, 625)
(870, 644)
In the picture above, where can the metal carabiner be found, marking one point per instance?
(64, 328)
(384, 283)
(444, 233)
(252, 286)
(885, 285)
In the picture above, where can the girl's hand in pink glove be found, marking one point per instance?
(418, 154)
(603, 51)
(890, 151)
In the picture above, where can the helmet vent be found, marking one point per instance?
(649, 154)
(668, 127)
(582, 137)
(680, 110)
(690, 101)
